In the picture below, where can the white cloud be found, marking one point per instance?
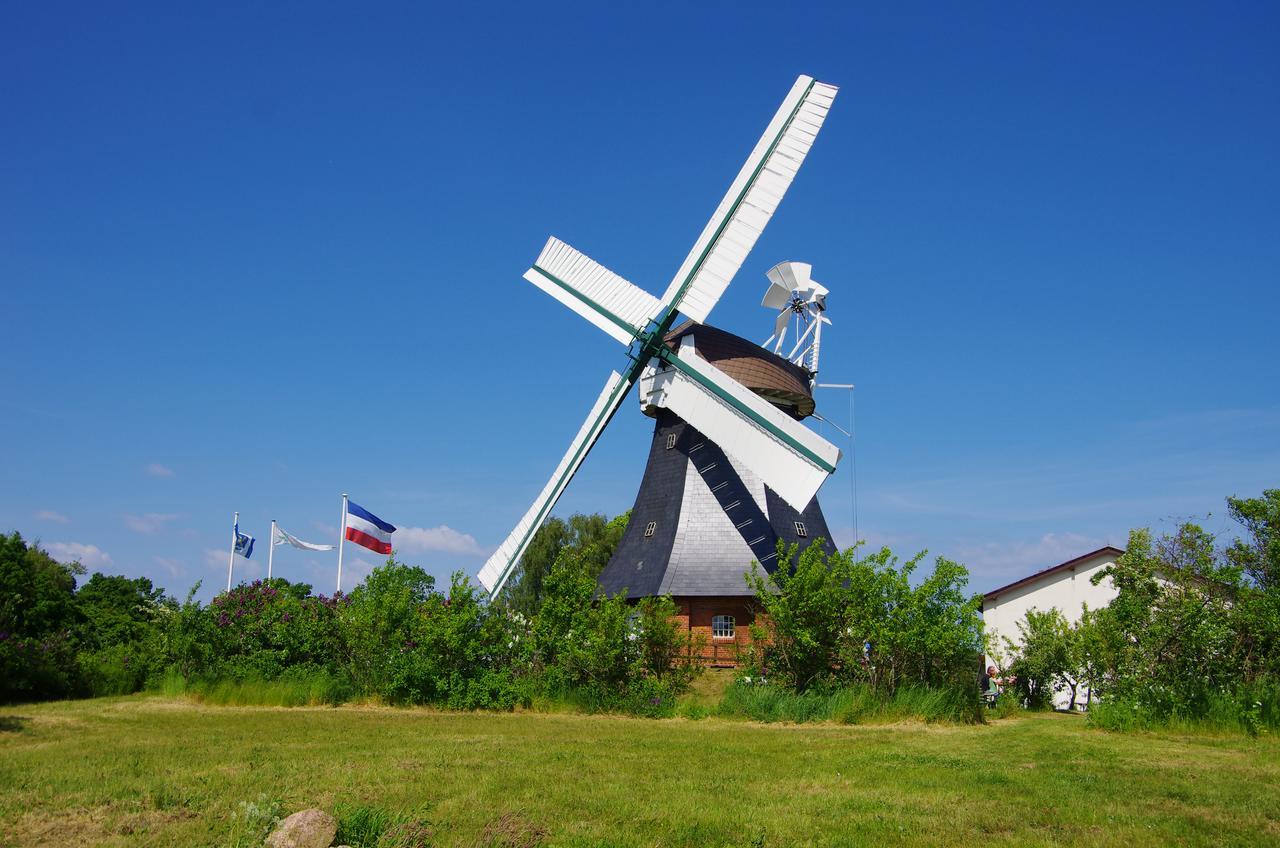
(49, 515)
(173, 566)
(1017, 559)
(90, 556)
(155, 469)
(443, 538)
(150, 523)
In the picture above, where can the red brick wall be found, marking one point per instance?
(695, 614)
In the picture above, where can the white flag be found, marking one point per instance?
(283, 538)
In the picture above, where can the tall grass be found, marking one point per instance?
(1253, 709)
(312, 689)
(859, 704)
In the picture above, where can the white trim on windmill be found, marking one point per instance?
(787, 456)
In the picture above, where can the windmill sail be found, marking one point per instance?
(750, 203)
(789, 457)
(614, 305)
(499, 566)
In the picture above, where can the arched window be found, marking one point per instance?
(722, 627)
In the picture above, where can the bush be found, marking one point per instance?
(834, 620)
(38, 619)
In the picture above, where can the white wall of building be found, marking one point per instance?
(1068, 589)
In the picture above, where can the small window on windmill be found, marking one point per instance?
(671, 440)
(801, 530)
(722, 627)
(649, 528)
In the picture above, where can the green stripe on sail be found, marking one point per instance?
(733, 210)
(787, 439)
(624, 324)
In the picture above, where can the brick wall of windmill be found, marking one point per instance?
(695, 615)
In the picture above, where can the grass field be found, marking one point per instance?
(147, 770)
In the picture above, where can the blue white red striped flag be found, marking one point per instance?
(367, 530)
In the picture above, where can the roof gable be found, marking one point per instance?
(1052, 570)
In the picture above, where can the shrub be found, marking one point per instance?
(833, 620)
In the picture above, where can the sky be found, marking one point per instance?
(255, 257)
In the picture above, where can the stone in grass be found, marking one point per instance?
(305, 829)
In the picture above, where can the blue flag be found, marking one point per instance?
(244, 543)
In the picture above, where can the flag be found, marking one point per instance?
(243, 543)
(283, 538)
(367, 530)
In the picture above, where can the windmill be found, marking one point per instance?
(679, 383)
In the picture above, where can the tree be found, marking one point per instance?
(376, 622)
(38, 618)
(1258, 554)
(1046, 658)
(1186, 631)
(592, 538)
(835, 619)
(116, 610)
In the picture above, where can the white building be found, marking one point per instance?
(1067, 586)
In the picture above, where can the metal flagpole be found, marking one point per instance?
(231, 560)
(271, 551)
(342, 537)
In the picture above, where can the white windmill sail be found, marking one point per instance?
(614, 305)
(750, 203)
(498, 568)
(790, 458)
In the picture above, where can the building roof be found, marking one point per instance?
(1054, 569)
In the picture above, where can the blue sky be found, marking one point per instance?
(254, 258)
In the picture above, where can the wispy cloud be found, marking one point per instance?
(1018, 558)
(149, 523)
(174, 567)
(50, 515)
(155, 469)
(90, 556)
(442, 538)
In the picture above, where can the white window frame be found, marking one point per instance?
(723, 627)
(801, 530)
(649, 528)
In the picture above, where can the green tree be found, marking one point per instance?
(1046, 658)
(119, 633)
(591, 538)
(833, 619)
(116, 609)
(38, 620)
(377, 622)
(1258, 553)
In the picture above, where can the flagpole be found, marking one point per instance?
(231, 560)
(342, 537)
(271, 550)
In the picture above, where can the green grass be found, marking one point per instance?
(150, 770)
(852, 705)
(311, 689)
